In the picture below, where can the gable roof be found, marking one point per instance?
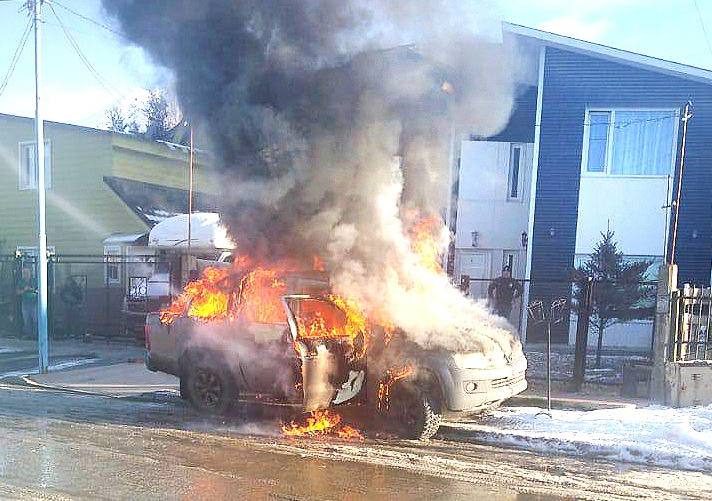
(611, 53)
(153, 203)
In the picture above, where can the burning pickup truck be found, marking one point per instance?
(284, 339)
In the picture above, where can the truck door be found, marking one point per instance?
(317, 328)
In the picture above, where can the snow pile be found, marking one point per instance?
(661, 436)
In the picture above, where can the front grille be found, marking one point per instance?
(507, 381)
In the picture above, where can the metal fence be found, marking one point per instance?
(690, 339)
(607, 326)
(88, 296)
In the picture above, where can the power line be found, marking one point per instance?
(16, 56)
(86, 18)
(702, 24)
(105, 83)
(78, 32)
(619, 124)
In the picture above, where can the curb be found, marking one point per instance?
(144, 397)
(32, 382)
(567, 403)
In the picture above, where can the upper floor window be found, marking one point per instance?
(514, 184)
(630, 142)
(28, 166)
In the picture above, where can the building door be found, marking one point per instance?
(515, 260)
(476, 266)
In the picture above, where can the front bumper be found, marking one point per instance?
(492, 386)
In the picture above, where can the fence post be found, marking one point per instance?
(107, 299)
(17, 300)
(582, 325)
(50, 300)
(667, 285)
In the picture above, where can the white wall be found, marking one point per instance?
(483, 206)
(637, 334)
(482, 199)
(632, 206)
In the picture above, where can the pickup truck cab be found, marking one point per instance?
(409, 389)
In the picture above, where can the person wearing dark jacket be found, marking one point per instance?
(502, 291)
(73, 298)
(27, 292)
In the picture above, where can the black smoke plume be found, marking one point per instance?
(332, 122)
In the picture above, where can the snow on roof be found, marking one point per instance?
(126, 239)
(153, 203)
(206, 232)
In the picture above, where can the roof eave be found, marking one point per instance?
(611, 53)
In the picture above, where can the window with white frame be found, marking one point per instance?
(112, 270)
(621, 142)
(514, 184)
(28, 165)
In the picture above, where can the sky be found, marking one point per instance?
(668, 29)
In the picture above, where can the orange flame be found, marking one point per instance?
(207, 299)
(386, 383)
(320, 324)
(259, 296)
(321, 424)
(202, 299)
(424, 243)
(317, 263)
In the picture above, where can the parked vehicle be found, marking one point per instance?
(409, 389)
(173, 265)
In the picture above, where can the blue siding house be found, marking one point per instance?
(606, 130)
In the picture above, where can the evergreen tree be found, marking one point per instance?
(619, 292)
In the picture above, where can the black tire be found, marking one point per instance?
(414, 414)
(208, 386)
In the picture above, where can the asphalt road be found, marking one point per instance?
(56, 445)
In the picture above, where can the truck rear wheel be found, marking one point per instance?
(209, 387)
(415, 413)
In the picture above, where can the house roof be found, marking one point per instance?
(138, 137)
(153, 203)
(611, 53)
(127, 239)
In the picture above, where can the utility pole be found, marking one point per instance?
(190, 192)
(685, 119)
(42, 343)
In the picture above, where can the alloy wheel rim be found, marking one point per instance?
(208, 387)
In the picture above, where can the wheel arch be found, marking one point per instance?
(215, 356)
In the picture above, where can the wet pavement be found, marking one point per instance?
(57, 445)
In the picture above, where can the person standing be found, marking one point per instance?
(502, 291)
(73, 298)
(27, 290)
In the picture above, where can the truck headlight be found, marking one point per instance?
(470, 386)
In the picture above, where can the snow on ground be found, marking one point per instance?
(67, 364)
(661, 436)
(4, 350)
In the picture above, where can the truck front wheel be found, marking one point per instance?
(209, 387)
(415, 414)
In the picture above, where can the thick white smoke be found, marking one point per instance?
(335, 135)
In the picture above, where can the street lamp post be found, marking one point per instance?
(42, 343)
